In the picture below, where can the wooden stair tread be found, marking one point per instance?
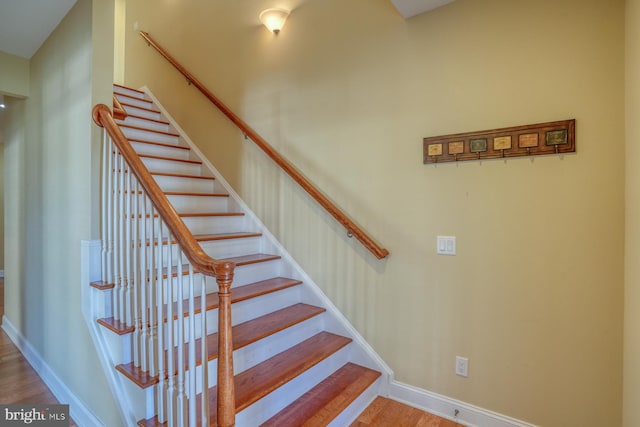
(241, 293)
(101, 285)
(320, 405)
(160, 144)
(126, 104)
(211, 237)
(124, 95)
(185, 193)
(251, 259)
(172, 159)
(260, 380)
(243, 334)
(226, 236)
(124, 125)
(159, 121)
(209, 214)
(116, 326)
(181, 175)
(128, 88)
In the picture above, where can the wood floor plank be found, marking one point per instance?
(385, 412)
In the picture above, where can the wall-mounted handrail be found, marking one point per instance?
(199, 260)
(352, 229)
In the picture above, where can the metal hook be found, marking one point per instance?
(349, 234)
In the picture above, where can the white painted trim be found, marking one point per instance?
(445, 407)
(77, 409)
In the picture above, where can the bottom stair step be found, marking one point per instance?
(255, 383)
(320, 405)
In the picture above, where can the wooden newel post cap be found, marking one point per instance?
(224, 273)
(97, 111)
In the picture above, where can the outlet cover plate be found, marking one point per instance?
(462, 366)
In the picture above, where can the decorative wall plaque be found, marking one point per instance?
(502, 143)
(478, 145)
(531, 140)
(528, 140)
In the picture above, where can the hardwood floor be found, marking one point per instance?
(385, 412)
(19, 383)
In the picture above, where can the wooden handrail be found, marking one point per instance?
(192, 250)
(119, 112)
(199, 259)
(297, 176)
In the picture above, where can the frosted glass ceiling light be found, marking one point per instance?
(274, 19)
(1, 101)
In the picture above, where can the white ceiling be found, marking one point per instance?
(26, 24)
(409, 8)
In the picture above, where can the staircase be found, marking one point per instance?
(297, 361)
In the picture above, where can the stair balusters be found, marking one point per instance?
(150, 273)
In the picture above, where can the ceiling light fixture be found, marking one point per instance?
(2, 101)
(274, 19)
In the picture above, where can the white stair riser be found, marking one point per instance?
(142, 400)
(272, 345)
(118, 90)
(277, 400)
(120, 346)
(351, 412)
(255, 353)
(134, 133)
(186, 185)
(247, 274)
(146, 124)
(215, 224)
(172, 250)
(243, 311)
(142, 112)
(197, 225)
(160, 150)
(223, 249)
(168, 166)
(134, 101)
(195, 204)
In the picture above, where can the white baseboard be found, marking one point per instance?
(77, 409)
(446, 407)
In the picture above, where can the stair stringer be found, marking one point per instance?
(110, 347)
(361, 353)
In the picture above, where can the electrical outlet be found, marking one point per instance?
(462, 366)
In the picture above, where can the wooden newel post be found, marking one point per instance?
(226, 387)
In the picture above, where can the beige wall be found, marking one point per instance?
(14, 75)
(50, 151)
(347, 91)
(631, 412)
(14, 81)
(1, 204)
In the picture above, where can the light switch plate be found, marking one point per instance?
(446, 245)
